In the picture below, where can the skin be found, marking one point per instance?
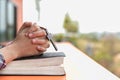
(30, 40)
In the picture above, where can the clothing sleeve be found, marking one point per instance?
(2, 62)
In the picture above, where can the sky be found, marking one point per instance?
(92, 15)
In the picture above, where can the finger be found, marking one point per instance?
(47, 45)
(41, 49)
(34, 27)
(31, 29)
(39, 41)
(26, 24)
(40, 33)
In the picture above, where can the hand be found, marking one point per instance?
(38, 36)
(33, 33)
(30, 40)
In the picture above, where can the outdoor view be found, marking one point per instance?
(90, 25)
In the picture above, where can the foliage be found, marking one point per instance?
(58, 37)
(90, 36)
(67, 21)
(69, 25)
(71, 39)
(101, 55)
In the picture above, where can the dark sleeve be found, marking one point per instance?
(2, 62)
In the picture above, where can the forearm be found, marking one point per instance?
(9, 53)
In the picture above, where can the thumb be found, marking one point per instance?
(25, 25)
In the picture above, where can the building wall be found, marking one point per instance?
(19, 4)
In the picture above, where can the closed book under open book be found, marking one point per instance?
(50, 63)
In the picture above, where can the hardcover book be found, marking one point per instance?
(50, 63)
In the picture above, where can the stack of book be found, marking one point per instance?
(50, 63)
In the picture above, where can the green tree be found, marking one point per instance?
(67, 21)
(69, 25)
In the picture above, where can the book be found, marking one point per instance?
(49, 63)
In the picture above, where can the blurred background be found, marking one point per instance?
(90, 25)
(8, 20)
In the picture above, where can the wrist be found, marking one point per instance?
(9, 53)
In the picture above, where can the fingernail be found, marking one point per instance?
(34, 40)
(39, 47)
(30, 35)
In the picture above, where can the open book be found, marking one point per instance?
(46, 64)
